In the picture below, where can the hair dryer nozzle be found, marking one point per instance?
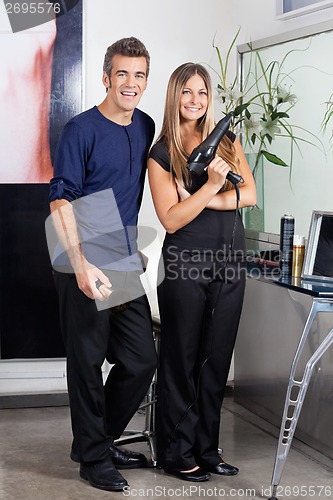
(203, 154)
(224, 123)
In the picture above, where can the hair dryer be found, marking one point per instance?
(203, 154)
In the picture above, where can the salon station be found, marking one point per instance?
(280, 389)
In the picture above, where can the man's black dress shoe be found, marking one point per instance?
(74, 457)
(103, 475)
(125, 459)
(223, 469)
(122, 459)
(197, 475)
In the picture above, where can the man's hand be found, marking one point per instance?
(87, 278)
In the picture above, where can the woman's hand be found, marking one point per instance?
(217, 172)
(227, 199)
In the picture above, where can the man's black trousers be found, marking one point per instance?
(101, 411)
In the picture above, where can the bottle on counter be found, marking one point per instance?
(298, 255)
(287, 227)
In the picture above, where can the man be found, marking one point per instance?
(102, 151)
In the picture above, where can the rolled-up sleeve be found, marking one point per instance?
(69, 164)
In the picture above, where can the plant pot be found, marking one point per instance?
(254, 217)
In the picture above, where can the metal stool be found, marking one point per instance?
(148, 406)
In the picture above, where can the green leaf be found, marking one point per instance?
(240, 108)
(247, 114)
(280, 114)
(274, 159)
(253, 138)
(237, 122)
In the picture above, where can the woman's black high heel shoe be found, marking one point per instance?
(198, 475)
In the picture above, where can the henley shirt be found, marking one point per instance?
(95, 155)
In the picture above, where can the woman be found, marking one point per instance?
(201, 296)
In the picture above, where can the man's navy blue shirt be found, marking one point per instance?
(98, 157)
(94, 154)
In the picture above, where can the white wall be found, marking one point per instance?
(174, 32)
(257, 19)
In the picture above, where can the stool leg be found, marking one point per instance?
(150, 421)
(148, 433)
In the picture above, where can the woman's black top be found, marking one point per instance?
(211, 229)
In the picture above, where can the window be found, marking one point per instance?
(286, 9)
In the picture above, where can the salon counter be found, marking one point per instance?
(274, 314)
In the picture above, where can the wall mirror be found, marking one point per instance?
(307, 186)
(318, 261)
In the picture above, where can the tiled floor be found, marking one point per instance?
(35, 464)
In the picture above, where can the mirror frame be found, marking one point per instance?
(279, 38)
(287, 36)
(311, 248)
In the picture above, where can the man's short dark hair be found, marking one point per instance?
(130, 47)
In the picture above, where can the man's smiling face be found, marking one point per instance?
(127, 82)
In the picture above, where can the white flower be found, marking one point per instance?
(250, 126)
(229, 95)
(284, 95)
(269, 127)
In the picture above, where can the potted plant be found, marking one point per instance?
(261, 105)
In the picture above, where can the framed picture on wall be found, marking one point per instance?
(41, 86)
(286, 9)
(40, 90)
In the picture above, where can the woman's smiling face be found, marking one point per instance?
(194, 100)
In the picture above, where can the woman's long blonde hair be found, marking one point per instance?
(171, 131)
